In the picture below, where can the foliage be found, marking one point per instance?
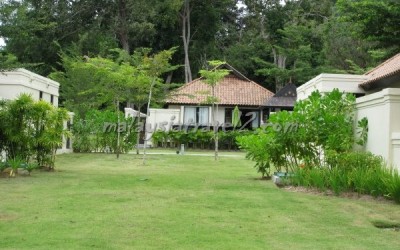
(98, 83)
(317, 125)
(271, 42)
(215, 74)
(15, 164)
(316, 141)
(391, 181)
(374, 19)
(212, 77)
(31, 166)
(196, 138)
(7, 61)
(31, 130)
(154, 66)
(256, 147)
(97, 132)
(359, 172)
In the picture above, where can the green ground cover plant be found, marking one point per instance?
(180, 202)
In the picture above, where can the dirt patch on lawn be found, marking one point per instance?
(348, 195)
(7, 217)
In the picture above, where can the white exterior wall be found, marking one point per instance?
(159, 116)
(160, 119)
(64, 149)
(219, 115)
(14, 83)
(325, 83)
(383, 112)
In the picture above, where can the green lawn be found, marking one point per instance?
(179, 202)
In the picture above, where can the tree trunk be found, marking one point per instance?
(138, 130)
(123, 38)
(216, 137)
(169, 78)
(122, 28)
(215, 126)
(153, 81)
(280, 62)
(186, 33)
(118, 129)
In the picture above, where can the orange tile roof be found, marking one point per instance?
(386, 69)
(232, 90)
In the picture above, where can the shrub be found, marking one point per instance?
(90, 134)
(15, 164)
(316, 126)
(363, 171)
(31, 130)
(256, 151)
(337, 180)
(360, 172)
(3, 165)
(391, 180)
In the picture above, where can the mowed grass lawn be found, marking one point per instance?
(179, 202)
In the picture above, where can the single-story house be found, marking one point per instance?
(188, 105)
(14, 83)
(378, 99)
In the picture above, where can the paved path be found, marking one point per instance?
(192, 154)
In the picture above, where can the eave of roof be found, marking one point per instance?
(383, 74)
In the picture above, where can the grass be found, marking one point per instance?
(179, 202)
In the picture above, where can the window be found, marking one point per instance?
(52, 99)
(196, 115)
(228, 115)
(40, 95)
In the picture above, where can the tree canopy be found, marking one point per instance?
(272, 42)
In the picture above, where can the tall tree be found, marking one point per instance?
(212, 77)
(155, 66)
(186, 37)
(376, 21)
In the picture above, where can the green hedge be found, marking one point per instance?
(197, 139)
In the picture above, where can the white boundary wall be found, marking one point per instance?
(383, 112)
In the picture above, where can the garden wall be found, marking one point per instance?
(383, 112)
